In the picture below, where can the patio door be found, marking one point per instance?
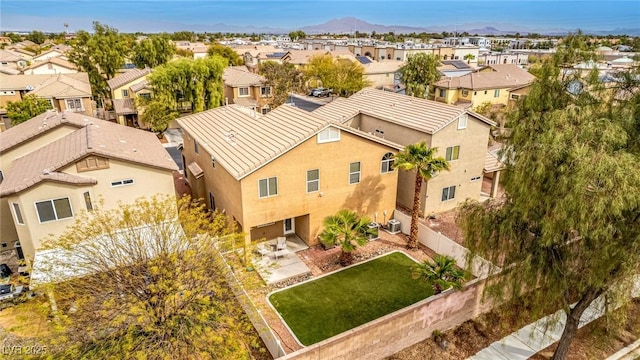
(289, 226)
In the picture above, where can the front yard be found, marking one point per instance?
(327, 306)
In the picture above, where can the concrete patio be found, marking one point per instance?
(274, 270)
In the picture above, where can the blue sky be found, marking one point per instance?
(198, 15)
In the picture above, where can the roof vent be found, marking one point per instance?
(135, 150)
(46, 172)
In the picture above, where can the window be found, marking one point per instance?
(125, 93)
(265, 110)
(1, 176)
(87, 201)
(313, 180)
(465, 93)
(462, 121)
(122, 182)
(485, 92)
(387, 163)
(443, 92)
(74, 104)
(212, 202)
(243, 91)
(496, 92)
(328, 135)
(56, 209)
(268, 187)
(515, 96)
(354, 172)
(475, 93)
(195, 147)
(453, 153)
(17, 213)
(265, 91)
(448, 193)
(145, 96)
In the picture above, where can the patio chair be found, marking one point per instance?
(262, 250)
(281, 243)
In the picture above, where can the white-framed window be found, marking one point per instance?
(196, 148)
(125, 93)
(354, 173)
(462, 121)
(328, 135)
(265, 91)
(386, 165)
(74, 104)
(87, 201)
(54, 209)
(448, 193)
(313, 180)
(243, 91)
(443, 92)
(268, 187)
(17, 213)
(496, 92)
(122, 182)
(265, 110)
(453, 153)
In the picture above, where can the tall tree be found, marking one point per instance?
(297, 35)
(421, 159)
(37, 37)
(197, 82)
(348, 230)
(568, 229)
(23, 110)
(100, 54)
(442, 273)
(341, 75)
(283, 78)
(156, 115)
(153, 51)
(227, 53)
(419, 73)
(149, 282)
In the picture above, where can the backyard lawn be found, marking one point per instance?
(325, 307)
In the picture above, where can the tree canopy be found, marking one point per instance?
(420, 71)
(100, 55)
(348, 230)
(156, 114)
(568, 228)
(37, 37)
(153, 51)
(152, 285)
(227, 53)
(297, 35)
(23, 110)
(343, 76)
(283, 78)
(196, 82)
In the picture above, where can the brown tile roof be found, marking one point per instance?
(195, 169)
(242, 143)
(254, 50)
(101, 138)
(144, 84)
(8, 56)
(491, 161)
(382, 67)
(502, 76)
(124, 106)
(302, 57)
(127, 77)
(235, 76)
(54, 60)
(245, 102)
(62, 86)
(30, 82)
(419, 114)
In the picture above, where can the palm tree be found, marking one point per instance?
(348, 230)
(442, 273)
(419, 157)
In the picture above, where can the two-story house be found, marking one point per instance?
(59, 164)
(246, 89)
(53, 65)
(282, 173)
(461, 137)
(125, 89)
(491, 84)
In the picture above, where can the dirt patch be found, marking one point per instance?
(28, 319)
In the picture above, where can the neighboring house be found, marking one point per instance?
(24, 54)
(491, 84)
(381, 73)
(125, 89)
(49, 54)
(461, 137)
(455, 68)
(246, 89)
(53, 65)
(284, 172)
(250, 53)
(58, 165)
(11, 60)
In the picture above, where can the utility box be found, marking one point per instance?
(374, 231)
(393, 226)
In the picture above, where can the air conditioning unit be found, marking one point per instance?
(374, 234)
(393, 226)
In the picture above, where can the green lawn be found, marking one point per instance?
(325, 307)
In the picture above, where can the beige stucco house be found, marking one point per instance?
(282, 173)
(460, 135)
(246, 89)
(59, 164)
(125, 89)
(52, 65)
(492, 84)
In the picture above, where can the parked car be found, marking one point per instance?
(320, 92)
(10, 292)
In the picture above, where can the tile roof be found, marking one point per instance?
(127, 77)
(419, 114)
(30, 82)
(63, 86)
(97, 137)
(492, 162)
(54, 60)
(124, 106)
(8, 56)
(301, 57)
(383, 67)
(502, 76)
(245, 102)
(242, 143)
(254, 50)
(144, 84)
(235, 76)
(195, 170)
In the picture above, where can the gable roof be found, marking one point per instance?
(62, 86)
(8, 56)
(97, 137)
(383, 67)
(144, 84)
(124, 106)
(235, 76)
(501, 76)
(127, 77)
(54, 60)
(31, 82)
(243, 143)
(419, 114)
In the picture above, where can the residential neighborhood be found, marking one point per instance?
(398, 189)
